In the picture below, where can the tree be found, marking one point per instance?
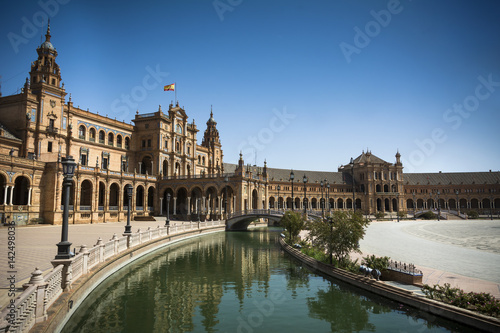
(340, 233)
(293, 223)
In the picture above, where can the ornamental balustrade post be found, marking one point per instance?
(140, 235)
(85, 261)
(40, 303)
(100, 243)
(115, 244)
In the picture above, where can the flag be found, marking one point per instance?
(170, 87)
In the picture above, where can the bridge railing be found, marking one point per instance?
(31, 305)
(269, 212)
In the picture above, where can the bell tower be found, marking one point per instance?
(45, 71)
(211, 140)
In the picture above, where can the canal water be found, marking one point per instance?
(238, 282)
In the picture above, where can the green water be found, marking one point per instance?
(237, 282)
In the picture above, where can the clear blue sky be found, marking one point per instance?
(305, 85)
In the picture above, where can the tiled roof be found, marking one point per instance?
(451, 178)
(369, 157)
(5, 133)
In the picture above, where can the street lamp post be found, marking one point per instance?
(304, 179)
(353, 195)
(414, 206)
(439, 206)
(199, 208)
(330, 220)
(328, 195)
(226, 179)
(292, 176)
(279, 188)
(491, 206)
(458, 203)
(397, 205)
(321, 203)
(63, 247)
(167, 222)
(128, 227)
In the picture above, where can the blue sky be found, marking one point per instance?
(304, 85)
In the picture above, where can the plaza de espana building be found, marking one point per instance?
(160, 157)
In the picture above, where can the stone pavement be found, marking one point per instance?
(36, 247)
(463, 253)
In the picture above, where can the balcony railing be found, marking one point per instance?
(52, 129)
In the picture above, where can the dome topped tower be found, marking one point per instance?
(211, 140)
(45, 69)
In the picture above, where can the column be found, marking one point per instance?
(6, 190)
(189, 205)
(140, 167)
(175, 206)
(11, 195)
(161, 206)
(203, 204)
(29, 196)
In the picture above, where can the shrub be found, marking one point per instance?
(472, 214)
(483, 303)
(315, 253)
(402, 213)
(379, 215)
(428, 216)
(380, 263)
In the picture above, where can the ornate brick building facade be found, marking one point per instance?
(160, 157)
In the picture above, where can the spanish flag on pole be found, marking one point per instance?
(170, 87)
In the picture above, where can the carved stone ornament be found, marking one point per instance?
(52, 103)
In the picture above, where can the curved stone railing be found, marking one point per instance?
(31, 306)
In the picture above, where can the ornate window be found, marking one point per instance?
(81, 132)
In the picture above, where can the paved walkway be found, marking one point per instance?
(463, 253)
(36, 247)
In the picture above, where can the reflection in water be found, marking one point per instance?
(231, 282)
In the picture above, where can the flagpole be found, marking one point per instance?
(175, 91)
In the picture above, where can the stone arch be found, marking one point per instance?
(289, 203)
(409, 204)
(378, 188)
(386, 188)
(165, 168)
(420, 203)
(474, 203)
(348, 203)
(272, 203)
(127, 142)
(92, 134)
(114, 197)
(82, 132)
(125, 201)
(255, 199)
(358, 204)
(188, 168)
(178, 169)
(196, 202)
(151, 198)
(340, 203)
(463, 204)
(430, 204)
(395, 204)
(314, 203)
(379, 205)
(181, 203)
(101, 200)
(227, 202)
(119, 141)
(111, 139)
(297, 202)
(102, 136)
(21, 190)
(393, 188)
(452, 204)
(387, 206)
(139, 197)
(3, 184)
(86, 195)
(168, 205)
(146, 165)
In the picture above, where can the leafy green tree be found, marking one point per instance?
(293, 223)
(380, 263)
(340, 234)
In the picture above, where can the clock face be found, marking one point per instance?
(178, 129)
